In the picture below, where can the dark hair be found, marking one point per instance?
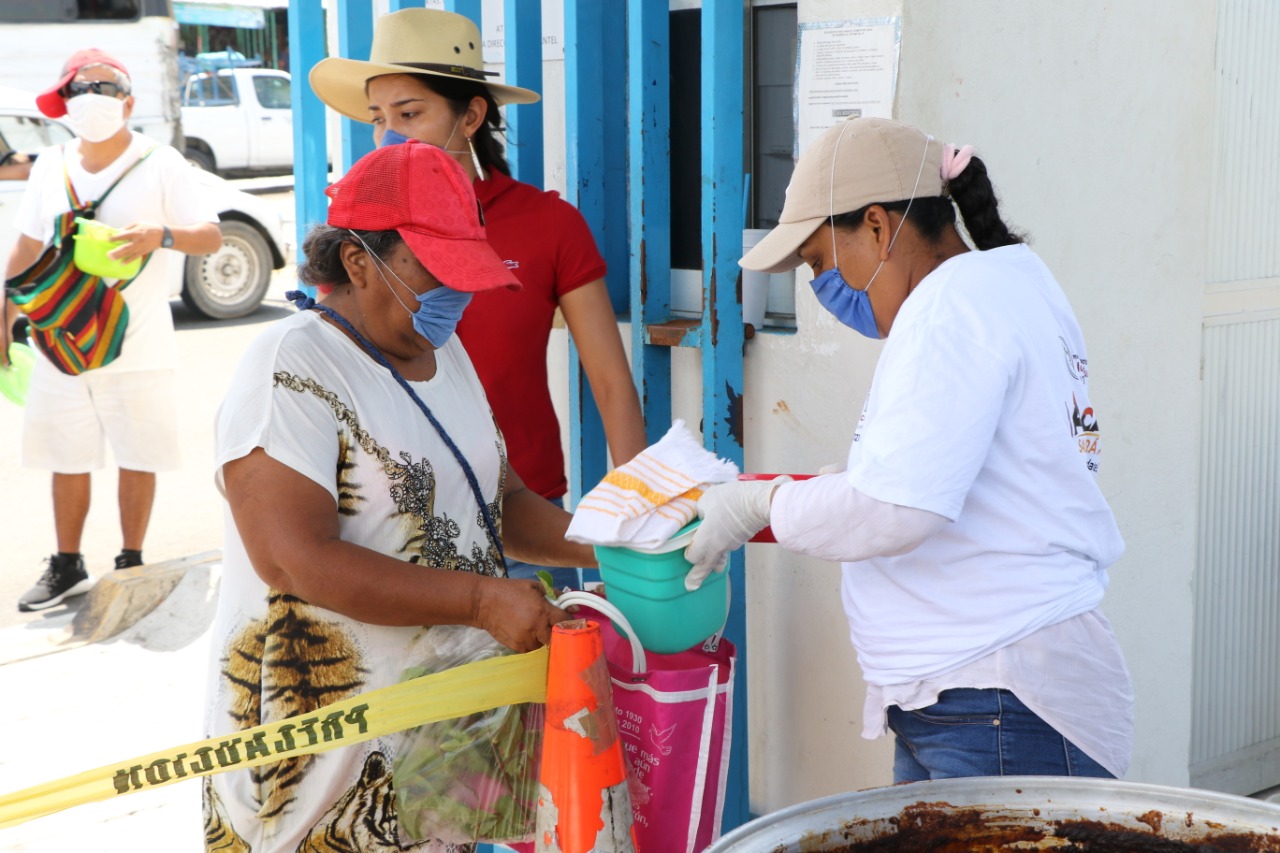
(972, 193)
(322, 250)
(459, 94)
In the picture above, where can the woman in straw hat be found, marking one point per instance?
(369, 496)
(973, 536)
(425, 80)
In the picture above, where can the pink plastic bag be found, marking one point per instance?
(675, 721)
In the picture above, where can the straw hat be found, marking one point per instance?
(411, 41)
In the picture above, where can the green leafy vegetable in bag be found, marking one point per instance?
(473, 778)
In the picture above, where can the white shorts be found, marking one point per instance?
(67, 418)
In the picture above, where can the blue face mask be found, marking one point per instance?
(849, 306)
(439, 309)
(390, 137)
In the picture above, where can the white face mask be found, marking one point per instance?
(94, 118)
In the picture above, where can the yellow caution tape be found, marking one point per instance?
(469, 689)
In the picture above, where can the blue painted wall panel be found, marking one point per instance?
(522, 26)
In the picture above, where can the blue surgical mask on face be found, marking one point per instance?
(849, 306)
(439, 309)
(390, 137)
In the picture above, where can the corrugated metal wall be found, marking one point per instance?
(1236, 715)
(1244, 219)
(1236, 694)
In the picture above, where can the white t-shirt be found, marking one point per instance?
(979, 412)
(163, 190)
(313, 400)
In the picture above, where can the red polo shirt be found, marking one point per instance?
(545, 241)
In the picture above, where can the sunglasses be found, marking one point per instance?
(97, 87)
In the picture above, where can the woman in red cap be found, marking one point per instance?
(370, 500)
(425, 80)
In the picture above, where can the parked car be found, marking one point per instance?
(229, 283)
(238, 119)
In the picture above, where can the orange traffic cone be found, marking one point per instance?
(583, 802)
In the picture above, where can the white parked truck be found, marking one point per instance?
(238, 120)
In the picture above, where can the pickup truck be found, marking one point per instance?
(238, 120)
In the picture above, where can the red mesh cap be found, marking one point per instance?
(51, 102)
(420, 191)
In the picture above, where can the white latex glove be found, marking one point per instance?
(731, 514)
(833, 468)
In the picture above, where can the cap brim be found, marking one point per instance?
(467, 265)
(776, 251)
(50, 101)
(340, 83)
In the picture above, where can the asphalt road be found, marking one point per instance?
(187, 518)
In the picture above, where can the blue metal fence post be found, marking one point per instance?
(723, 43)
(310, 151)
(522, 29)
(649, 165)
(596, 174)
(355, 39)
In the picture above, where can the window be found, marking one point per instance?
(212, 90)
(29, 134)
(772, 115)
(68, 11)
(272, 91)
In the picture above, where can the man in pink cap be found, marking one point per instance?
(147, 190)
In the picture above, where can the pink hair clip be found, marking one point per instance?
(954, 161)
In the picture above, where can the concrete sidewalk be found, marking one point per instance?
(121, 675)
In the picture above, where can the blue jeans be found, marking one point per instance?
(981, 732)
(560, 576)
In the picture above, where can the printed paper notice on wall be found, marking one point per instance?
(843, 69)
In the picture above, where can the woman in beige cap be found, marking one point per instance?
(973, 536)
(425, 80)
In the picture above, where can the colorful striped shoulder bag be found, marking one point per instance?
(78, 320)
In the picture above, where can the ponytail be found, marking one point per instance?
(976, 198)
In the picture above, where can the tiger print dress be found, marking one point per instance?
(312, 400)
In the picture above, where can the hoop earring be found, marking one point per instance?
(475, 159)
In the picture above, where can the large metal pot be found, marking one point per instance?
(1015, 813)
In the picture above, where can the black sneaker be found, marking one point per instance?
(64, 577)
(127, 559)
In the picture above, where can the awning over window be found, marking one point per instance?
(242, 14)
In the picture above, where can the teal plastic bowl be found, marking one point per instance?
(648, 587)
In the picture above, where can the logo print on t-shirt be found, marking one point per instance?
(1084, 428)
(1078, 367)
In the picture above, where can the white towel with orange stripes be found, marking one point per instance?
(644, 502)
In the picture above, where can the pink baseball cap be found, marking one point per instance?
(420, 191)
(51, 102)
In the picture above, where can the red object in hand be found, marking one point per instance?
(766, 535)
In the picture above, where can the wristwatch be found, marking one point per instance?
(166, 241)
